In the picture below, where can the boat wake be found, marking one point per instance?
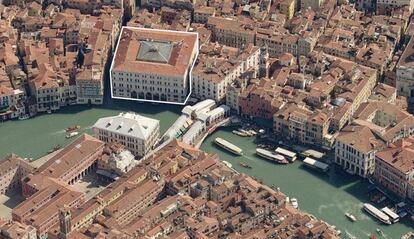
(349, 235)
(249, 158)
(59, 132)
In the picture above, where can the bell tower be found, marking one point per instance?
(65, 222)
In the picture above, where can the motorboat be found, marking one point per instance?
(236, 132)
(227, 164)
(350, 217)
(72, 134)
(245, 165)
(72, 128)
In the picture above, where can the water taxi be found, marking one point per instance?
(351, 217)
(72, 128)
(245, 165)
(312, 163)
(377, 213)
(227, 164)
(72, 134)
(228, 146)
(271, 156)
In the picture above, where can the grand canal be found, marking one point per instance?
(328, 197)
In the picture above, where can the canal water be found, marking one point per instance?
(328, 197)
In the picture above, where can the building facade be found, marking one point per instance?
(153, 65)
(394, 167)
(137, 133)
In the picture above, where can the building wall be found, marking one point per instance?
(354, 161)
(139, 147)
(314, 4)
(89, 91)
(391, 178)
(405, 81)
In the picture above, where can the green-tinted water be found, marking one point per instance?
(327, 197)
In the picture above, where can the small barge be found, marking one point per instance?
(312, 163)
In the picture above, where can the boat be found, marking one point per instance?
(271, 156)
(245, 165)
(49, 111)
(72, 134)
(372, 236)
(261, 131)
(394, 217)
(24, 117)
(382, 199)
(236, 132)
(227, 164)
(245, 132)
(57, 147)
(289, 155)
(294, 203)
(312, 163)
(377, 213)
(252, 132)
(228, 146)
(402, 214)
(380, 232)
(72, 128)
(350, 217)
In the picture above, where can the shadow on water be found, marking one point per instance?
(122, 105)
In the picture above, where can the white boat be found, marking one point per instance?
(245, 132)
(294, 203)
(228, 146)
(377, 213)
(311, 163)
(289, 155)
(394, 217)
(350, 217)
(49, 111)
(72, 134)
(236, 132)
(271, 156)
(227, 164)
(24, 117)
(252, 132)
